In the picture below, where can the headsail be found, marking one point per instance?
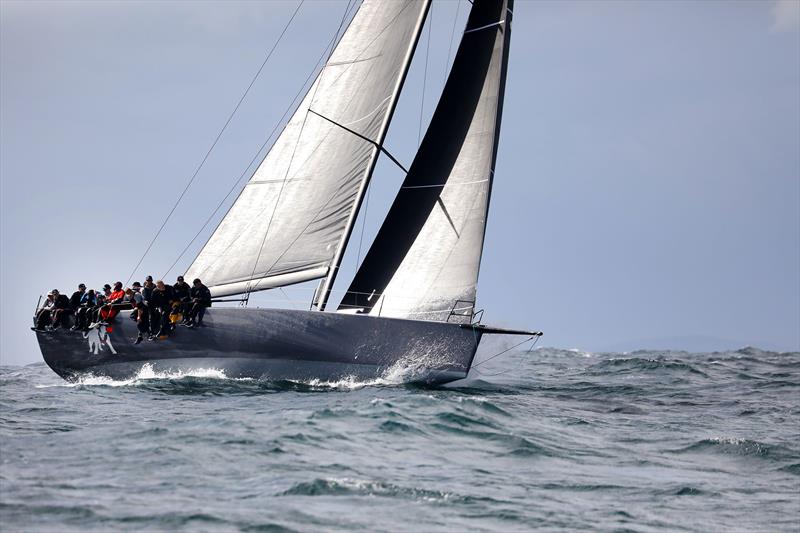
(293, 216)
(425, 259)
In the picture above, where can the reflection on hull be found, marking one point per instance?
(273, 344)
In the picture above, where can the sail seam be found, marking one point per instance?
(485, 27)
(443, 184)
(264, 182)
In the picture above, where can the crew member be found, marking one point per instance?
(200, 299)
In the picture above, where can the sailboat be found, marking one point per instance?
(412, 299)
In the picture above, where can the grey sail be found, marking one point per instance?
(292, 219)
(424, 261)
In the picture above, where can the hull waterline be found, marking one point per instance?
(272, 344)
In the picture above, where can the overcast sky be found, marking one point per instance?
(648, 180)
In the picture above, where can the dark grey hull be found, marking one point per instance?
(274, 344)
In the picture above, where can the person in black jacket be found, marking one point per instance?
(61, 308)
(181, 293)
(160, 303)
(200, 299)
(147, 290)
(181, 289)
(85, 310)
(75, 299)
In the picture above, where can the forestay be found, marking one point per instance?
(293, 216)
(425, 259)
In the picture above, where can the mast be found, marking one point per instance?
(322, 296)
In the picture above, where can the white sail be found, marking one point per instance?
(293, 216)
(425, 260)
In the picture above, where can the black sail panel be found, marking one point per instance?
(426, 256)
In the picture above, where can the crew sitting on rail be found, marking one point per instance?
(117, 296)
(137, 293)
(147, 290)
(85, 309)
(52, 311)
(75, 299)
(157, 308)
(200, 299)
(43, 313)
(160, 305)
(180, 292)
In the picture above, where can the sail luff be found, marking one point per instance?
(425, 259)
(508, 16)
(290, 219)
(331, 275)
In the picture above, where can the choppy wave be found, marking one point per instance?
(643, 364)
(740, 447)
(145, 374)
(557, 440)
(361, 487)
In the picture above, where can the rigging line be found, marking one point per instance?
(291, 159)
(506, 371)
(452, 35)
(425, 77)
(219, 135)
(373, 143)
(506, 350)
(286, 296)
(255, 157)
(363, 225)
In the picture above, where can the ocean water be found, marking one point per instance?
(552, 439)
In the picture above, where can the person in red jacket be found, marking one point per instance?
(117, 295)
(107, 313)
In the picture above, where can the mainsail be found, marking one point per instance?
(294, 216)
(424, 261)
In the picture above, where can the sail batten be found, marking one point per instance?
(425, 259)
(292, 218)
